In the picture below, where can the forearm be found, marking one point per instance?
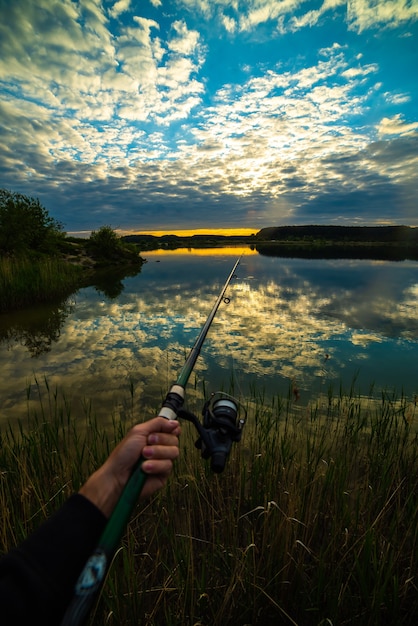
(102, 491)
(37, 578)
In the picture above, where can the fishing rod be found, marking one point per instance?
(220, 428)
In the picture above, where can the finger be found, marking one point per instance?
(167, 426)
(159, 467)
(156, 425)
(160, 452)
(162, 439)
(161, 424)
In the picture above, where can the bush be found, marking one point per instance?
(104, 242)
(105, 245)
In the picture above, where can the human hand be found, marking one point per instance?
(157, 441)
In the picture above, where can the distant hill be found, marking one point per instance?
(396, 242)
(341, 234)
(151, 242)
(391, 243)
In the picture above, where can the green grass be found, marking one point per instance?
(314, 520)
(26, 280)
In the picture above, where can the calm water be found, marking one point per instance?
(308, 323)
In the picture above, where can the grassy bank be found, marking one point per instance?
(28, 280)
(312, 522)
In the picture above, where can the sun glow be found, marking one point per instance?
(198, 231)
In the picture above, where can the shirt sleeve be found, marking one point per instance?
(37, 578)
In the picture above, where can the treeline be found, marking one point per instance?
(376, 251)
(172, 242)
(309, 235)
(355, 234)
(40, 263)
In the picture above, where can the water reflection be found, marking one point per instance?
(289, 322)
(37, 331)
(110, 282)
(40, 326)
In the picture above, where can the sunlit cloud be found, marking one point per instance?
(363, 339)
(396, 126)
(364, 14)
(119, 7)
(250, 14)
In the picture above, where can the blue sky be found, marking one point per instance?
(189, 114)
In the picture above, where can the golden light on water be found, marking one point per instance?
(231, 251)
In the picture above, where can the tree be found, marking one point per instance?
(105, 246)
(104, 242)
(25, 225)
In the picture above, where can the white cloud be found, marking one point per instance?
(396, 126)
(241, 146)
(397, 98)
(119, 7)
(229, 23)
(311, 18)
(185, 41)
(93, 74)
(359, 72)
(292, 15)
(364, 14)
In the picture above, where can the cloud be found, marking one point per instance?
(238, 152)
(396, 126)
(365, 14)
(121, 6)
(121, 125)
(311, 18)
(76, 70)
(291, 15)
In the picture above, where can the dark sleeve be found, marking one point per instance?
(37, 578)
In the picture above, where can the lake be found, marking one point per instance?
(305, 324)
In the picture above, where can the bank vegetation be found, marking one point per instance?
(40, 263)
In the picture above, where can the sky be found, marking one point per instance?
(165, 115)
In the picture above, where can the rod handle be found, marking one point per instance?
(94, 572)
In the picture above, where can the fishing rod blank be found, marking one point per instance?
(94, 572)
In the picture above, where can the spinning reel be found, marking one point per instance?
(222, 425)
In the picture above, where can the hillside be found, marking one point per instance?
(341, 234)
(303, 235)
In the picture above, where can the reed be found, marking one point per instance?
(26, 280)
(312, 522)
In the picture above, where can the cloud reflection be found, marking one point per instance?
(288, 320)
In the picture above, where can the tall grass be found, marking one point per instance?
(314, 520)
(26, 280)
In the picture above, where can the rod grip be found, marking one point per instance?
(173, 402)
(94, 572)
